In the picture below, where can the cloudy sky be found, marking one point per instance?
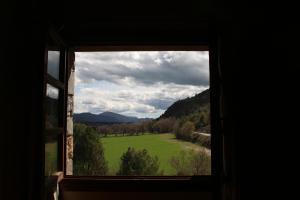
(142, 84)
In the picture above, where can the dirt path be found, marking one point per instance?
(185, 145)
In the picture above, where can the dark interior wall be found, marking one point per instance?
(258, 57)
(131, 22)
(258, 60)
(22, 50)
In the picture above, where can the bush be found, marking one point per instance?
(200, 163)
(88, 154)
(191, 163)
(180, 164)
(138, 163)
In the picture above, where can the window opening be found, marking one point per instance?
(139, 113)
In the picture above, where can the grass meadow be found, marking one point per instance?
(164, 146)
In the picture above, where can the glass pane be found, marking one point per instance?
(52, 107)
(53, 63)
(51, 150)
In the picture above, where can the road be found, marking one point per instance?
(204, 134)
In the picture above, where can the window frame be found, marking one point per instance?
(96, 183)
(60, 84)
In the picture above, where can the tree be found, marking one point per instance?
(164, 125)
(149, 126)
(188, 128)
(184, 131)
(88, 152)
(176, 128)
(138, 163)
(105, 130)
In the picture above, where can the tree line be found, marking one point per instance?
(150, 126)
(183, 127)
(199, 121)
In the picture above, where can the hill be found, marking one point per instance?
(105, 118)
(195, 109)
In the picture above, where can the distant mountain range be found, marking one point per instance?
(192, 108)
(105, 118)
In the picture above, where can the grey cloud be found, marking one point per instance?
(178, 74)
(88, 102)
(125, 95)
(141, 110)
(102, 108)
(179, 68)
(95, 110)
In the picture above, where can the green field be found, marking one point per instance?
(50, 158)
(164, 146)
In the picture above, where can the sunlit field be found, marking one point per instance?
(164, 146)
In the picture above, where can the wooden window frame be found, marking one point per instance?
(163, 183)
(61, 85)
(210, 183)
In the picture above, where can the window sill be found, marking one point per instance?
(142, 184)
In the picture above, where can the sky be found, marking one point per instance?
(141, 84)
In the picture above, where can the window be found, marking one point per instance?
(54, 110)
(67, 89)
(140, 113)
(92, 180)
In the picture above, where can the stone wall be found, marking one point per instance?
(69, 136)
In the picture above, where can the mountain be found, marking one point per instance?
(105, 118)
(187, 106)
(195, 109)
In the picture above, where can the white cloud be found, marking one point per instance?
(142, 84)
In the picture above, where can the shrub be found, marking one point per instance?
(200, 163)
(138, 163)
(191, 163)
(180, 164)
